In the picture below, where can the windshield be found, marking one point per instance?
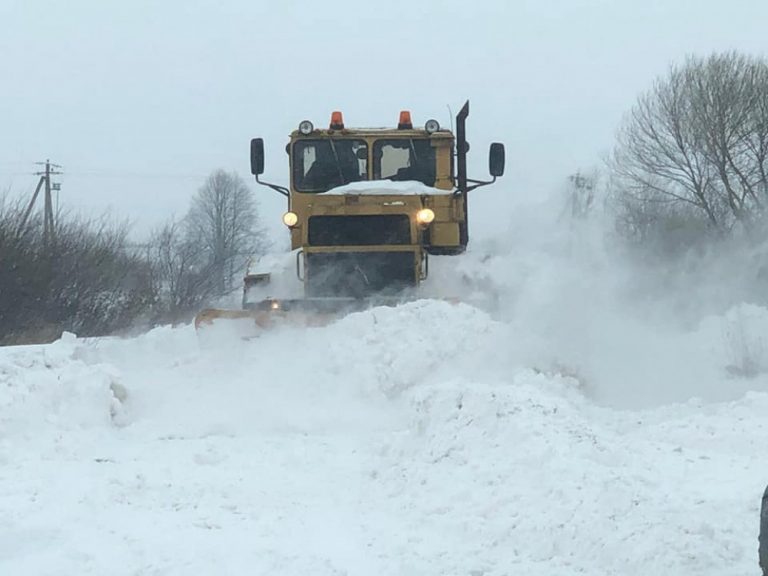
(319, 165)
(404, 159)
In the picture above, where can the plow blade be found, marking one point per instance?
(245, 324)
(268, 314)
(254, 321)
(209, 316)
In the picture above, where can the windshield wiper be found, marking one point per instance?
(413, 149)
(338, 162)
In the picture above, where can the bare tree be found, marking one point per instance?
(181, 274)
(692, 152)
(223, 220)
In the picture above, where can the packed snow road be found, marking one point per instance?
(415, 440)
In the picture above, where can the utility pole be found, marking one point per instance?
(48, 220)
(582, 194)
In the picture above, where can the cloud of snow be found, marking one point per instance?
(635, 334)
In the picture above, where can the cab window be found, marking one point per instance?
(319, 165)
(404, 159)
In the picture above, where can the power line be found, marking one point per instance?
(136, 175)
(119, 175)
(96, 173)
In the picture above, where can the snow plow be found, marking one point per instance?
(366, 209)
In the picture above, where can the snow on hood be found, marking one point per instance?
(387, 187)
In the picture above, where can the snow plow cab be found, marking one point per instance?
(366, 208)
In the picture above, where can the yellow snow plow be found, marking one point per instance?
(366, 208)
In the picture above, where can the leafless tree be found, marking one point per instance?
(181, 273)
(223, 220)
(693, 150)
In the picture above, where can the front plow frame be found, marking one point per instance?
(297, 312)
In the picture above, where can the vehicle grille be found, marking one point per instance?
(367, 230)
(359, 274)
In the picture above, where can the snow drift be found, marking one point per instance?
(398, 440)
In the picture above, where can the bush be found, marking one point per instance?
(84, 280)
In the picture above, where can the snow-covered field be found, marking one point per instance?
(396, 441)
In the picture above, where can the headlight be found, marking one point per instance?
(306, 127)
(274, 305)
(432, 126)
(290, 219)
(425, 216)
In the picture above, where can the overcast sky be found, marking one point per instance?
(140, 100)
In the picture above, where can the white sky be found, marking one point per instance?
(140, 100)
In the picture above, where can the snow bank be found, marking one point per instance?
(50, 388)
(528, 477)
(419, 439)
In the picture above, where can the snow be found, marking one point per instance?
(387, 188)
(397, 440)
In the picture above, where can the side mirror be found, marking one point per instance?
(257, 156)
(496, 159)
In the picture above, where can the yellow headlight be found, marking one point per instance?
(425, 216)
(290, 219)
